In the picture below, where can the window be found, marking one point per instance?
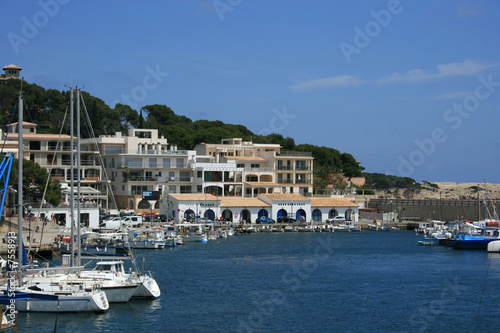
(300, 178)
(134, 176)
(133, 162)
(138, 189)
(199, 174)
(255, 165)
(179, 163)
(112, 150)
(152, 162)
(166, 162)
(252, 179)
(185, 189)
(171, 176)
(240, 165)
(172, 189)
(185, 177)
(300, 165)
(51, 158)
(198, 189)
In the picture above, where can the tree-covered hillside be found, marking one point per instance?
(48, 108)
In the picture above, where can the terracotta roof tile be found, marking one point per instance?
(287, 197)
(332, 202)
(193, 197)
(245, 158)
(241, 202)
(39, 136)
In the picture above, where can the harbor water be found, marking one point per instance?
(304, 282)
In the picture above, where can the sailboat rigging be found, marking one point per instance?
(37, 293)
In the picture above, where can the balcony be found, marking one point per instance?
(264, 169)
(302, 168)
(284, 167)
(295, 153)
(285, 181)
(179, 179)
(156, 152)
(59, 149)
(88, 163)
(140, 179)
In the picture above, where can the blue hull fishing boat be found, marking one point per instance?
(467, 242)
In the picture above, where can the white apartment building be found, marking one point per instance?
(266, 169)
(141, 162)
(118, 169)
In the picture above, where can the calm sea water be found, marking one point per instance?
(305, 282)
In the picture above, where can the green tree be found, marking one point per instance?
(350, 166)
(34, 181)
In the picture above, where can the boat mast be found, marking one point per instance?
(78, 157)
(72, 186)
(20, 158)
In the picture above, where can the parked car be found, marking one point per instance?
(336, 219)
(112, 224)
(264, 219)
(286, 219)
(147, 217)
(133, 221)
(161, 217)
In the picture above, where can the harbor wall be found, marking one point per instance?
(436, 209)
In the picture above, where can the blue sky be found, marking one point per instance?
(409, 88)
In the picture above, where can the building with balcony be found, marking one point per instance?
(294, 172)
(53, 152)
(141, 162)
(266, 169)
(219, 179)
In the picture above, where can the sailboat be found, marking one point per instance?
(114, 270)
(118, 285)
(28, 292)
